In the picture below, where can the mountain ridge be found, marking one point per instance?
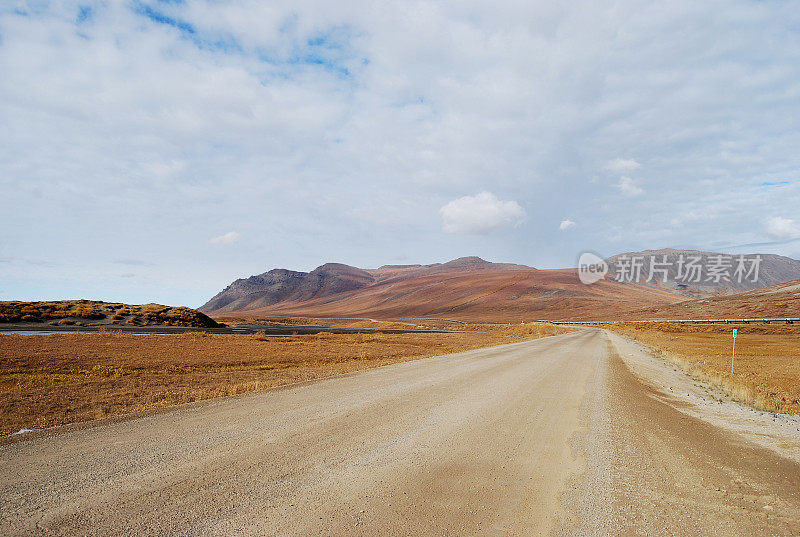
(468, 287)
(279, 285)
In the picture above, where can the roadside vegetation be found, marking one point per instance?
(48, 380)
(766, 372)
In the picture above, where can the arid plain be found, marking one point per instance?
(406, 401)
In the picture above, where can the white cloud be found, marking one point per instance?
(288, 116)
(622, 165)
(779, 228)
(628, 187)
(566, 224)
(481, 213)
(227, 238)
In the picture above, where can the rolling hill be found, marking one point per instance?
(781, 300)
(471, 288)
(466, 288)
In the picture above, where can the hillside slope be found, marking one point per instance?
(781, 300)
(466, 288)
(287, 286)
(280, 285)
(471, 288)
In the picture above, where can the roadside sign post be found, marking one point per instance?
(733, 354)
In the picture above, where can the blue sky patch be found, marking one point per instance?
(329, 50)
(161, 18)
(84, 14)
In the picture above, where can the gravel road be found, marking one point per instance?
(560, 436)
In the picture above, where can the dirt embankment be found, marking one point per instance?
(766, 368)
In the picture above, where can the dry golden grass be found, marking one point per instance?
(48, 380)
(766, 372)
(351, 322)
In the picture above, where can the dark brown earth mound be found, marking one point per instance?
(96, 313)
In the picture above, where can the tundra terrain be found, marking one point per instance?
(583, 433)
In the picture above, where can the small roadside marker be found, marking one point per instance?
(733, 353)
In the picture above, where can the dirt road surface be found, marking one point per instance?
(578, 434)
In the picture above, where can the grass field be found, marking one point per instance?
(766, 373)
(48, 380)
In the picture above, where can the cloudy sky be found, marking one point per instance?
(155, 151)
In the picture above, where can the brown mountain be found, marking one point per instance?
(466, 288)
(474, 289)
(281, 285)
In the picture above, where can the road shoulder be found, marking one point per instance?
(780, 433)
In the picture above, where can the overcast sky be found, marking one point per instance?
(155, 151)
